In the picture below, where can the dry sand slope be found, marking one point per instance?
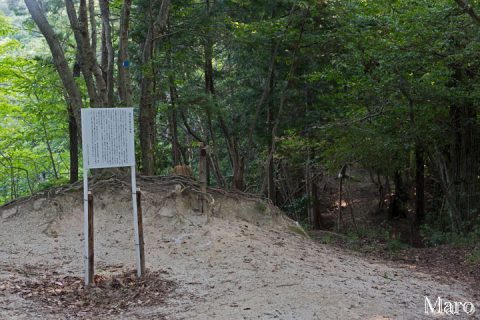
(241, 261)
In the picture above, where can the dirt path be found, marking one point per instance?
(227, 266)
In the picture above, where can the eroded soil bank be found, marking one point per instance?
(240, 260)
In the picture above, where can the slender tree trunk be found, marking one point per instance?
(172, 115)
(147, 112)
(93, 25)
(189, 129)
(340, 200)
(464, 165)
(173, 124)
(107, 47)
(469, 9)
(398, 206)
(317, 216)
(27, 175)
(419, 186)
(49, 148)
(267, 90)
(236, 161)
(446, 183)
(13, 189)
(308, 188)
(210, 90)
(270, 170)
(104, 56)
(73, 146)
(71, 89)
(81, 55)
(419, 160)
(147, 115)
(124, 88)
(283, 98)
(92, 72)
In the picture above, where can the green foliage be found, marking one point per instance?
(5, 26)
(474, 257)
(395, 245)
(320, 84)
(435, 237)
(33, 123)
(261, 206)
(326, 238)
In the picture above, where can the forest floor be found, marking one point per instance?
(369, 233)
(241, 260)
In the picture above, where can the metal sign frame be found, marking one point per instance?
(107, 134)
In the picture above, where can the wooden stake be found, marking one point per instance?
(202, 175)
(140, 231)
(91, 254)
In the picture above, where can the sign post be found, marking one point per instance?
(108, 142)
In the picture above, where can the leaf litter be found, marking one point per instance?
(109, 294)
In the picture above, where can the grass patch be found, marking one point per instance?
(261, 206)
(395, 245)
(474, 257)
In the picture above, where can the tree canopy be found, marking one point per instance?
(280, 91)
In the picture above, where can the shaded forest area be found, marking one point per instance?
(287, 95)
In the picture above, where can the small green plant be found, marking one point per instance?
(353, 241)
(261, 206)
(367, 232)
(326, 239)
(474, 257)
(434, 237)
(395, 245)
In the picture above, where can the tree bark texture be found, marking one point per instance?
(73, 146)
(96, 85)
(124, 87)
(464, 166)
(419, 187)
(147, 112)
(173, 124)
(107, 47)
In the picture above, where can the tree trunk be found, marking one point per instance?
(269, 170)
(469, 10)
(308, 188)
(146, 122)
(73, 146)
(438, 159)
(92, 72)
(93, 25)
(464, 166)
(49, 147)
(147, 113)
(173, 124)
(81, 55)
(71, 89)
(419, 187)
(317, 216)
(419, 163)
(236, 161)
(124, 88)
(107, 47)
(210, 90)
(398, 206)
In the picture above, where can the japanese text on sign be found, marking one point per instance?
(108, 139)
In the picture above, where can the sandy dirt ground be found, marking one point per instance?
(242, 260)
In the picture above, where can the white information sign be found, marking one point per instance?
(108, 139)
(107, 142)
